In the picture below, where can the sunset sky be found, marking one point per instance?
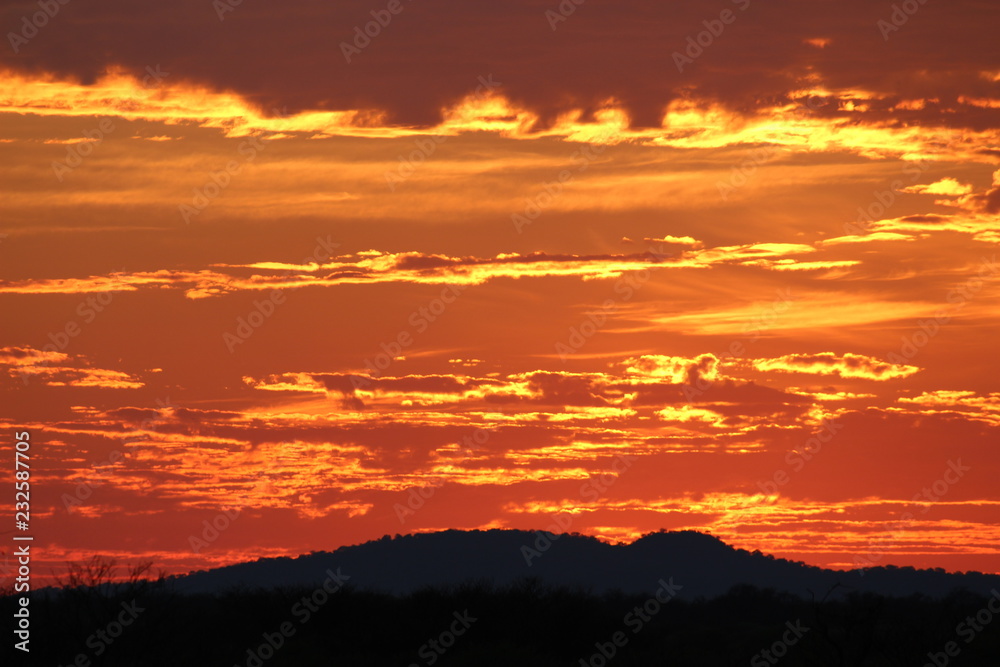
(722, 266)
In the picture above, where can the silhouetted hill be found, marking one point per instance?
(469, 599)
(703, 565)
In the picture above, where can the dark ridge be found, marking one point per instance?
(703, 564)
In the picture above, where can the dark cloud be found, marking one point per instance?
(992, 204)
(988, 201)
(560, 389)
(745, 398)
(432, 54)
(442, 384)
(133, 415)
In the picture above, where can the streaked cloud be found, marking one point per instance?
(828, 363)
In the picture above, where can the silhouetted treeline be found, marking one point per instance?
(519, 625)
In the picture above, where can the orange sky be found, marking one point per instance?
(531, 267)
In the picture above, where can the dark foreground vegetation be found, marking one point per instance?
(526, 624)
